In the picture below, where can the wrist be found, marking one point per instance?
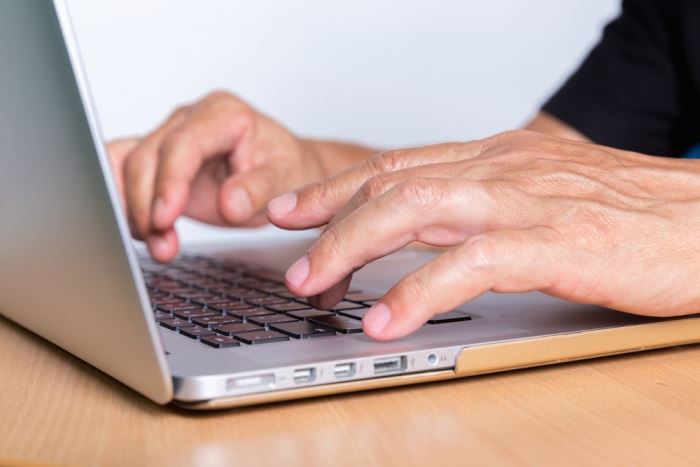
(335, 157)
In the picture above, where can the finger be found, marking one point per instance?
(314, 205)
(371, 189)
(163, 246)
(381, 184)
(503, 261)
(118, 150)
(439, 212)
(244, 196)
(329, 298)
(211, 130)
(139, 174)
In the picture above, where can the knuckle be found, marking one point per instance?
(591, 223)
(217, 95)
(419, 191)
(223, 103)
(479, 251)
(513, 146)
(239, 116)
(180, 112)
(245, 116)
(374, 187)
(388, 161)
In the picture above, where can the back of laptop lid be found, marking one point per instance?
(67, 271)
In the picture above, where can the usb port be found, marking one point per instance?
(344, 370)
(389, 365)
(304, 375)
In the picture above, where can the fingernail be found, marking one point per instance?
(377, 319)
(158, 212)
(157, 245)
(242, 205)
(282, 205)
(298, 272)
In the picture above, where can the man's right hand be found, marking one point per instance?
(218, 161)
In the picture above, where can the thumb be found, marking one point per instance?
(243, 196)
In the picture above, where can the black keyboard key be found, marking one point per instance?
(185, 292)
(211, 300)
(357, 313)
(178, 307)
(204, 283)
(251, 283)
(287, 306)
(175, 323)
(158, 295)
(273, 288)
(158, 315)
(182, 275)
(196, 331)
(243, 294)
(200, 296)
(345, 305)
(172, 301)
(172, 288)
(198, 313)
(209, 321)
(275, 277)
(250, 312)
(271, 319)
(342, 324)
(309, 313)
(451, 317)
(362, 297)
(291, 296)
(231, 329)
(231, 305)
(269, 300)
(302, 329)
(220, 342)
(261, 337)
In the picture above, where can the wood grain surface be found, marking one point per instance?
(640, 409)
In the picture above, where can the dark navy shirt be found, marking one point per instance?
(639, 88)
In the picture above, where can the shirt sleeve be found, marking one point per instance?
(626, 94)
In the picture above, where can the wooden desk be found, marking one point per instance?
(631, 410)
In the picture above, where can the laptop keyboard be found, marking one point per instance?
(222, 304)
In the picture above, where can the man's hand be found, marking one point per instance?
(521, 212)
(218, 161)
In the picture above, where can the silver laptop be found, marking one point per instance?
(218, 328)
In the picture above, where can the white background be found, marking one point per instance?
(384, 72)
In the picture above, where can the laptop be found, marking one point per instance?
(217, 328)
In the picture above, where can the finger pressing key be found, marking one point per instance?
(503, 261)
(139, 174)
(389, 222)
